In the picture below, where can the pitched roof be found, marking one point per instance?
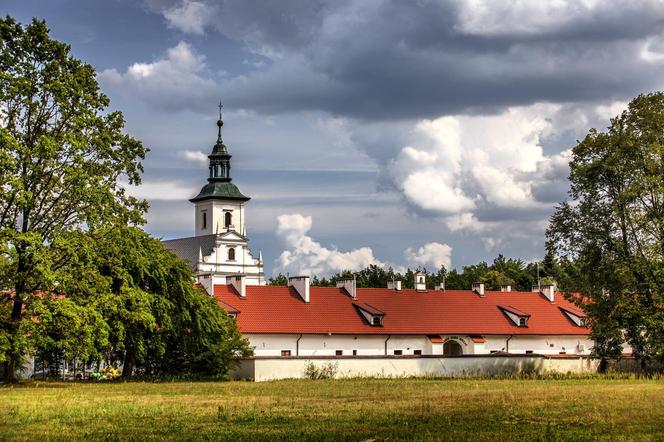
(273, 309)
(188, 248)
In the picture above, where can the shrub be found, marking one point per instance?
(327, 370)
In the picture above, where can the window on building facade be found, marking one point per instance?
(529, 352)
(231, 254)
(376, 320)
(523, 322)
(417, 352)
(339, 352)
(204, 219)
(228, 218)
(398, 352)
(354, 352)
(285, 352)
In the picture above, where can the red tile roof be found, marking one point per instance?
(272, 309)
(516, 311)
(435, 339)
(477, 338)
(369, 309)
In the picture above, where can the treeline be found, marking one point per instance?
(516, 272)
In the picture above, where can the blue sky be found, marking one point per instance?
(366, 131)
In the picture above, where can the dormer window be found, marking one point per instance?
(230, 310)
(576, 316)
(519, 318)
(372, 315)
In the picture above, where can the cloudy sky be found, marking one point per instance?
(370, 131)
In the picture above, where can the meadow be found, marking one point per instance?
(594, 408)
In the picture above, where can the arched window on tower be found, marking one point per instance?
(231, 254)
(223, 171)
(228, 218)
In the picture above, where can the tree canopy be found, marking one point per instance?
(612, 229)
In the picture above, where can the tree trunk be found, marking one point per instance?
(128, 366)
(603, 365)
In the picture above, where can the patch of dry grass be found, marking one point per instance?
(349, 409)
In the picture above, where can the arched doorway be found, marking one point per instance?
(452, 348)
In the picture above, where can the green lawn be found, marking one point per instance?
(397, 409)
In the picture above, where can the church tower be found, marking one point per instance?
(220, 248)
(219, 204)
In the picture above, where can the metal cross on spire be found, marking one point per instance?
(220, 122)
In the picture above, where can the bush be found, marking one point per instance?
(327, 370)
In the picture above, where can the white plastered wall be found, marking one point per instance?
(374, 345)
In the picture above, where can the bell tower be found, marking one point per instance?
(219, 205)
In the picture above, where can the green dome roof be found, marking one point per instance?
(220, 190)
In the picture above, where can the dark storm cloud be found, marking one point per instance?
(391, 60)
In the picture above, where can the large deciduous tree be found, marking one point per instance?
(62, 156)
(612, 229)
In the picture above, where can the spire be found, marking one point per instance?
(220, 123)
(219, 184)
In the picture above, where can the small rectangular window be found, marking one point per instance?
(205, 220)
(493, 351)
(376, 320)
(529, 352)
(523, 322)
(339, 352)
(417, 352)
(285, 352)
(398, 352)
(354, 352)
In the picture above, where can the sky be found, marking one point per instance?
(403, 134)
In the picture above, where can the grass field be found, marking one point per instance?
(354, 409)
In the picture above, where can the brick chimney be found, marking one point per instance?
(478, 287)
(239, 283)
(394, 285)
(301, 286)
(348, 284)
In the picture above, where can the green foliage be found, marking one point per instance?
(63, 329)
(61, 157)
(159, 321)
(280, 279)
(327, 370)
(612, 230)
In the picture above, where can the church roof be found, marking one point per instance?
(188, 248)
(220, 189)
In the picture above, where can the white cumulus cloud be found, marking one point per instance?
(432, 254)
(304, 255)
(175, 82)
